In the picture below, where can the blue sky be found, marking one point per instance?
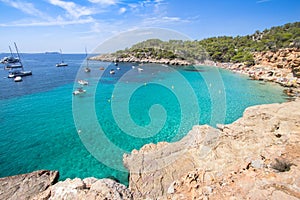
(48, 25)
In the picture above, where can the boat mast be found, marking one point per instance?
(87, 61)
(11, 53)
(62, 60)
(18, 55)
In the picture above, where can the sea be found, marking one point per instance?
(44, 126)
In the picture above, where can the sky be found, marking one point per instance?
(73, 25)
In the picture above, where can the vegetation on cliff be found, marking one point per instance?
(237, 49)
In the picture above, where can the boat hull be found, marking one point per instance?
(19, 73)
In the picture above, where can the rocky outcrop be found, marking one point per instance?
(282, 67)
(282, 59)
(88, 188)
(25, 186)
(42, 185)
(132, 58)
(256, 157)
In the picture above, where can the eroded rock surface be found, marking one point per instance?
(88, 188)
(25, 186)
(256, 157)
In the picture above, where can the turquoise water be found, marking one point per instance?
(44, 127)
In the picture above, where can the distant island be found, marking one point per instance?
(52, 52)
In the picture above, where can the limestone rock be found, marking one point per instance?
(88, 188)
(238, 161)
(25, 186)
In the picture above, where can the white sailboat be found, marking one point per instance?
(87, 69)
(62, 63)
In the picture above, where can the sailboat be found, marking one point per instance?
(16, 73)
(62, 63)
(11, 62)
(87, 69)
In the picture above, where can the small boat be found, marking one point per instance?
(62, 63)
(118, 68)
(79, 91)
(132, 66)
(101, 68)
(87, 69)
(116, 64)
(18, 79)
(21, 73)
(112, 71)
(83, 82)
(140, 69)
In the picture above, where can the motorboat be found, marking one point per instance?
(118, 68)
(140, 69)
(79, 91)
(61, 64)
(83, 82)
(18, 79)
(112, 71)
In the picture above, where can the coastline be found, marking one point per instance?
(281, 67)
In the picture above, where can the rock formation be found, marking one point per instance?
(282, 59)
(256, 157)
(88, 188)
(42, 185)
(25, 186)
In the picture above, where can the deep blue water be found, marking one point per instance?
(43, 126)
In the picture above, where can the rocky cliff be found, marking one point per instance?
(256, 157)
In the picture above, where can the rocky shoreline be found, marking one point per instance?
(282, 67)
(133, 59)
(255, 157)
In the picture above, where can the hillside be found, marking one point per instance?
(237, 49)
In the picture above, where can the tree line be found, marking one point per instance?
(237, 49)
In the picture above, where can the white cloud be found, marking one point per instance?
(122, 10)
(104, 2)
(164, 20)
(25, 7)
(73, 10)
(262, 1)
(58, 22)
